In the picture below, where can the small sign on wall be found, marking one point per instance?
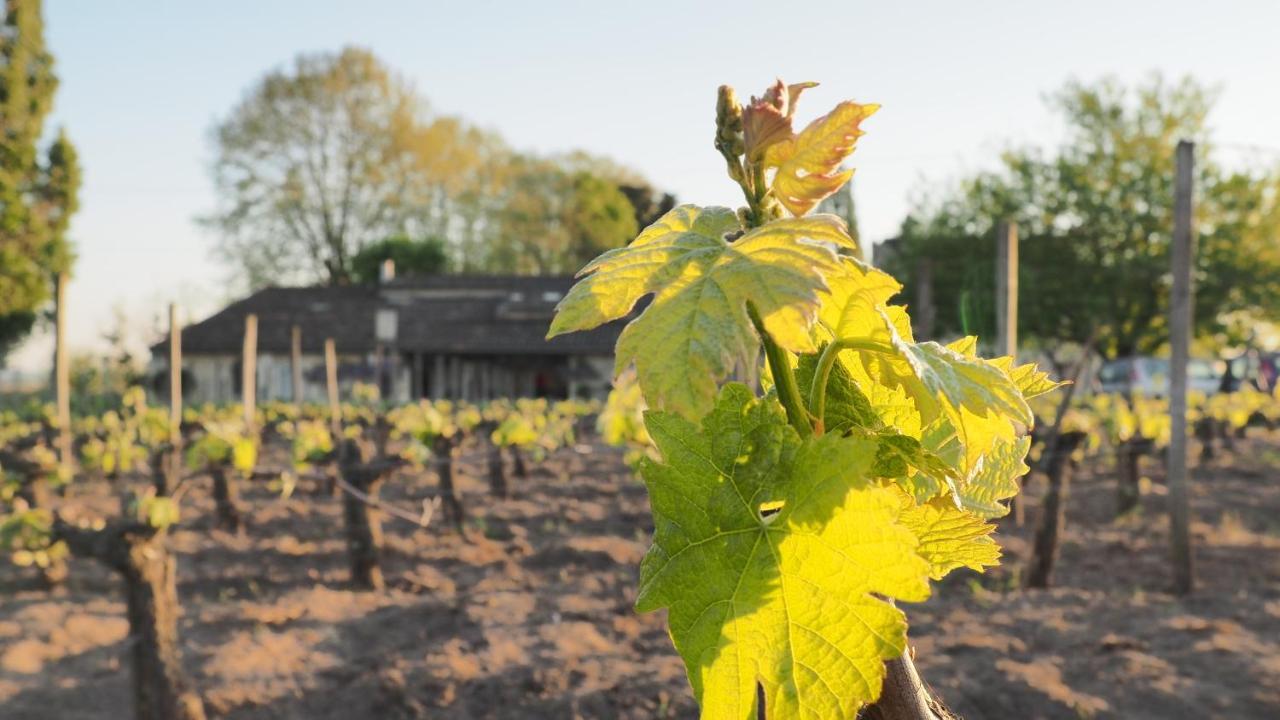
(386, 325)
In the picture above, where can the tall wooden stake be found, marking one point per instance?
(1007, 289)
(249, 369)
(295, 364)
(175, 377)
(923, 313)
(1180, 320)
(62, 374)
(170, 468)
(331, 384)
(1007, 316)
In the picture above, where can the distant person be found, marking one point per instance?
(1267, 372)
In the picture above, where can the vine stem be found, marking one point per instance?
(904, 696)
(826, 361)
(783, 377)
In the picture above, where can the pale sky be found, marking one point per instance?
(142, 83)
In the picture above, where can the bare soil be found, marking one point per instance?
(529, 614)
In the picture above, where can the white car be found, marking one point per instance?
(1149, 376)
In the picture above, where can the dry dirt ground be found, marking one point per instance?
(529, 615)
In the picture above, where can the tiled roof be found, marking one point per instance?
(455, 314)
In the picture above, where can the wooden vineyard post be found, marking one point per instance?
(1007, 317)
(295, 363)
(249, 369)
(168, 474)
(1007, 289)
(175, 377)
(335, 409)
(62, 375)
(331, 385)
(1180, 320)
(923, 313)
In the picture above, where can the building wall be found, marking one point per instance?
(210, 379)
(594, 376)
(216, 378)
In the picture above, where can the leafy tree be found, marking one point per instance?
(1095, 217)
(38, 195)
(554, 219)
(411, 257)
(648, 202)
(336, 153)
(463, 171)
(600, 217)
(316, 163)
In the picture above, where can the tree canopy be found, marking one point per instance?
(335, 153)
(412, 257)
(553, 219)
(314, 164)
(1095, 217)
(38, 195)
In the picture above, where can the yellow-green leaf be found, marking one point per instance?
(611, 284)
(160, 512)
(244, 455)
(856, 292)
(899, 455)
(949, 537)
(1030, 379)
(696, 331)
(774, 556)
(931, 372)
(995, 478)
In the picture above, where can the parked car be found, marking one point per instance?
(1149, 376)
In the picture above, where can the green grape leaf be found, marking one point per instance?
(515, 430)
(846, 406)
(911, 385)
(929, 371)
(995, 478)
(887, 355)
(696, 331)
(773, 556)
(917, 469)
(160, 512)
(949, 537)
(895, 408)
(614, 282)
(898, 456)
(1030, 380)
(856, 291)
(940, 438)
(244, 455)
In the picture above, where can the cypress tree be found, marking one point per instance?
(38, 193)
